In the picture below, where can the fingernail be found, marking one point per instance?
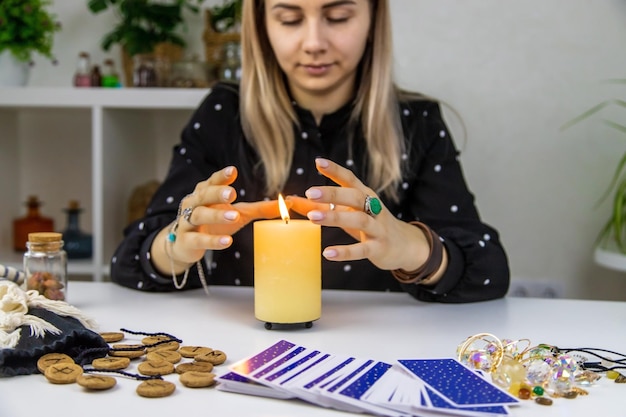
(329, 253)
(231, 215)
(225, 240)
(226, 194)
(313, 193)
(228, 171)
(321, 162)
(315, 215)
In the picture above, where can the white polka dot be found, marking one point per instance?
(188, 161)
(182, 151)
(237, 281)
(487, 282)
(405, 157)
(153, 276)
(242, 192)
(140, 227)
(425, 113)
(114, 259)
(148, 255)
(442, 133)
(196, 125)
(169, 200)
(481, 243)
(441, 239)
(487, 236)
(347, 268)
(149, 210)
(237, 255)
(137, 257)
(305, 135)
(349, 162)
(405, 185)
(213, 265)
(437, 168)
(406, 112)
(218, 107)
(140, 285)
(299, 171)
(454, 208)
(266, 199)
(399, 215)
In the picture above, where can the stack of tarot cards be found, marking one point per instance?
(408, 387)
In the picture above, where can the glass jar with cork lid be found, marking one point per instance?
(45, 265)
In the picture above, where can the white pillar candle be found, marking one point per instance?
(287, 270)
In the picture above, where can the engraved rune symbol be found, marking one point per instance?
(65, 370)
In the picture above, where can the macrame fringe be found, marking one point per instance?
(14, 305)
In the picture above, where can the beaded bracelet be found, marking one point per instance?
(169, 245)
(422, 274)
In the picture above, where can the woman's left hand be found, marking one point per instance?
(387, 242)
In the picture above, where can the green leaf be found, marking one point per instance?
(587, 114)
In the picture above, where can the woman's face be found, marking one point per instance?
(318, 44)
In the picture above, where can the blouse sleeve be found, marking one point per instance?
(439, 197)
(193, 160)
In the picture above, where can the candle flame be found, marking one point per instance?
(284, 212)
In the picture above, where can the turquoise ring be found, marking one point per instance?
(372, 206)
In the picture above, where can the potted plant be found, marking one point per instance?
(611, 241)
(226, 17)
(26, 28)
(144, 26)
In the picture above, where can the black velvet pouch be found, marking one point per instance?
(75, 340)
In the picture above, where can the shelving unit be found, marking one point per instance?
(91, 145)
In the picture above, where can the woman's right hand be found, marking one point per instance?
(209, 219)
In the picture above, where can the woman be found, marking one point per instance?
(316, 117)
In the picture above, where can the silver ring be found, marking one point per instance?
(372, 206)
(332, 206)
(186, 214)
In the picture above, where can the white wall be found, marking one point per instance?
(515, 71)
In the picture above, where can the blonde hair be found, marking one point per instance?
(268, 116)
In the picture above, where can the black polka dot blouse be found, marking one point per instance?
(433, 191)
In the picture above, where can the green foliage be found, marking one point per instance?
(227, 16)
(614, 229)
(144, 23)
(26, 27)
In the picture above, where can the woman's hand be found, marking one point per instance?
(208, 220)
(383, 239)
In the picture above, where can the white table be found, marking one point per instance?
(384, 326)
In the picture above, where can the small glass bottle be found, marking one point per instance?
(45, 265)
(110, 77)
(32, 222)
(78, 245)
(96, 76)
(82, 76)
(144, 73)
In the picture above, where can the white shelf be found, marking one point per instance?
(115, 98)
(90, 144)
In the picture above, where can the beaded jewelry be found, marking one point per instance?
(169, 245)
(532, 372)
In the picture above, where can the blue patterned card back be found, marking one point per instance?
(460, 385)
(248, 366)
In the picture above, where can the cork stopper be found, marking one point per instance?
(73, 205)
(44, 237)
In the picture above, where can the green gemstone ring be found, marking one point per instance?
(372, 206)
